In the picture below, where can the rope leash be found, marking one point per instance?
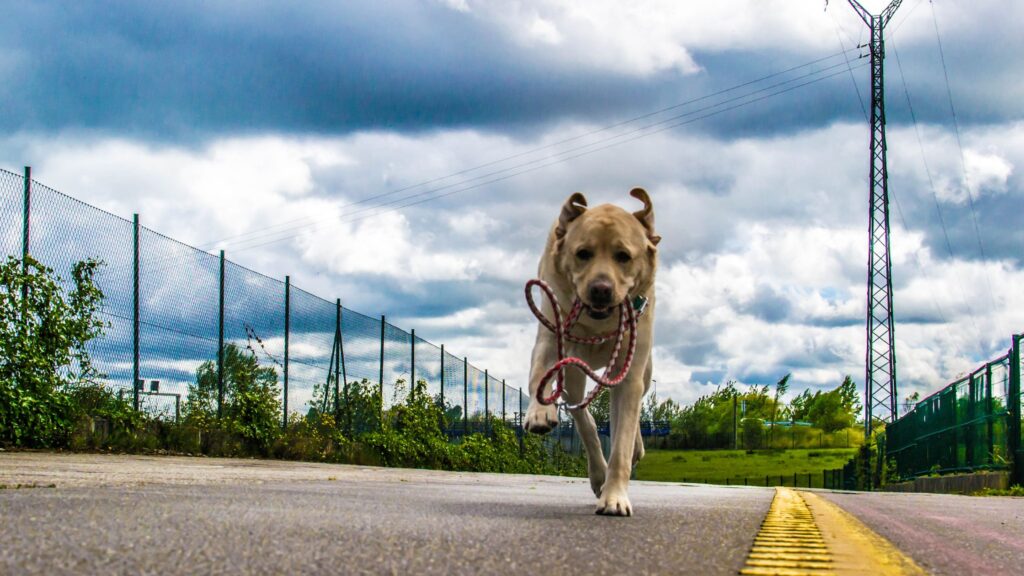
(627, 320)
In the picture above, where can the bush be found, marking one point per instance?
(43, 335)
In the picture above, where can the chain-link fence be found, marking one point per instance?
(171, 309)
(973, 423)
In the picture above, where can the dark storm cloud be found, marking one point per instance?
(194, 69)
(183, 69)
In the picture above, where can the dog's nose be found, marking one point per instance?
(600, 293)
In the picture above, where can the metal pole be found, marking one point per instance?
(465, 396)
(503, 392)
(1013, 439)
(487, 409)
(344, 374)
(220, 342)
(25, 242)
(412, 367)
(135, 309)
(25, 221)
(287, 330)
(442, 376)
(989, 422)
(522, 428)
(383, 322)
(338, 362)
(735, 424)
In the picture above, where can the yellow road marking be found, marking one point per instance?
(804, 534)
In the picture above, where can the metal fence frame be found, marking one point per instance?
(138, 260)
(970, 424)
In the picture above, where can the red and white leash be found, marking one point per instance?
(627, 319)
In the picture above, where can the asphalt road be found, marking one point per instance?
(138, 515)
(171, 515)
(943, 533)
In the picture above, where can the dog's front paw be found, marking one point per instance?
(540, 419)
(614, 503)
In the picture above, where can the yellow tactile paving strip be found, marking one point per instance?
(804, 534)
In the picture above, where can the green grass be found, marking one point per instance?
(732, 466)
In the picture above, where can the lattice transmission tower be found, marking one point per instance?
(880, 363)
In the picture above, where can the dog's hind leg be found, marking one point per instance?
(575, 388)
(638, 448)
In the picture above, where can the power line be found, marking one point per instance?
(938, 208)
(963, 162)
(569, 153)
(604, 144)
(853, 80)
(283, 226)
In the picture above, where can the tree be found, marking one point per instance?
(252, 398)
(910, 402)
(780, 389)
(44, 330)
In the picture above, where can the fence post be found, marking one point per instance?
(522, 426)
(465, 396)
(412, 367)
(1013, 409)
(25, 221)
(383, 321)
(338, 364)
(487, 410)
(220, 341)
(735, 425)
(442, 377)
(989, 437)
(287, 329)
(503, 392)
(135, 310)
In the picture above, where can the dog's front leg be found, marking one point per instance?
(541, 419)
(626, 398)
(575, 388)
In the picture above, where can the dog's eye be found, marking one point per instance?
(622, 257)
(584, 254)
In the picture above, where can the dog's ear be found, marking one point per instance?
(571, 210)
(645, 216)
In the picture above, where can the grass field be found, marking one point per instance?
(735, 466)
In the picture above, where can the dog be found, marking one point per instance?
(602, 256)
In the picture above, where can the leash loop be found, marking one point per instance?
(561, 329)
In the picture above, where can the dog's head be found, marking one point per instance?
(606, 252)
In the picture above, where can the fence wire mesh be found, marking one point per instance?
(180, 289)
(965, 426)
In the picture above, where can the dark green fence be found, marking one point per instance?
(171, 309)
(972, 424)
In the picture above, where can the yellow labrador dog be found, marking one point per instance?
(602, 256)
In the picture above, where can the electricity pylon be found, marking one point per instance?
(880, 365)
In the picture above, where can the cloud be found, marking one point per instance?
(187, 73)
(762, 263)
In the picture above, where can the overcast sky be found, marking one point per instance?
(409, 158)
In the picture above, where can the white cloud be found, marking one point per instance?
(649, 36)
(763, 264)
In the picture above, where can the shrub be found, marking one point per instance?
(44, 330)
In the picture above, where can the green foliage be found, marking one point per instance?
(44, 329)
(412, 433)
(717, 466)
(1015, 490)
(251, 409)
